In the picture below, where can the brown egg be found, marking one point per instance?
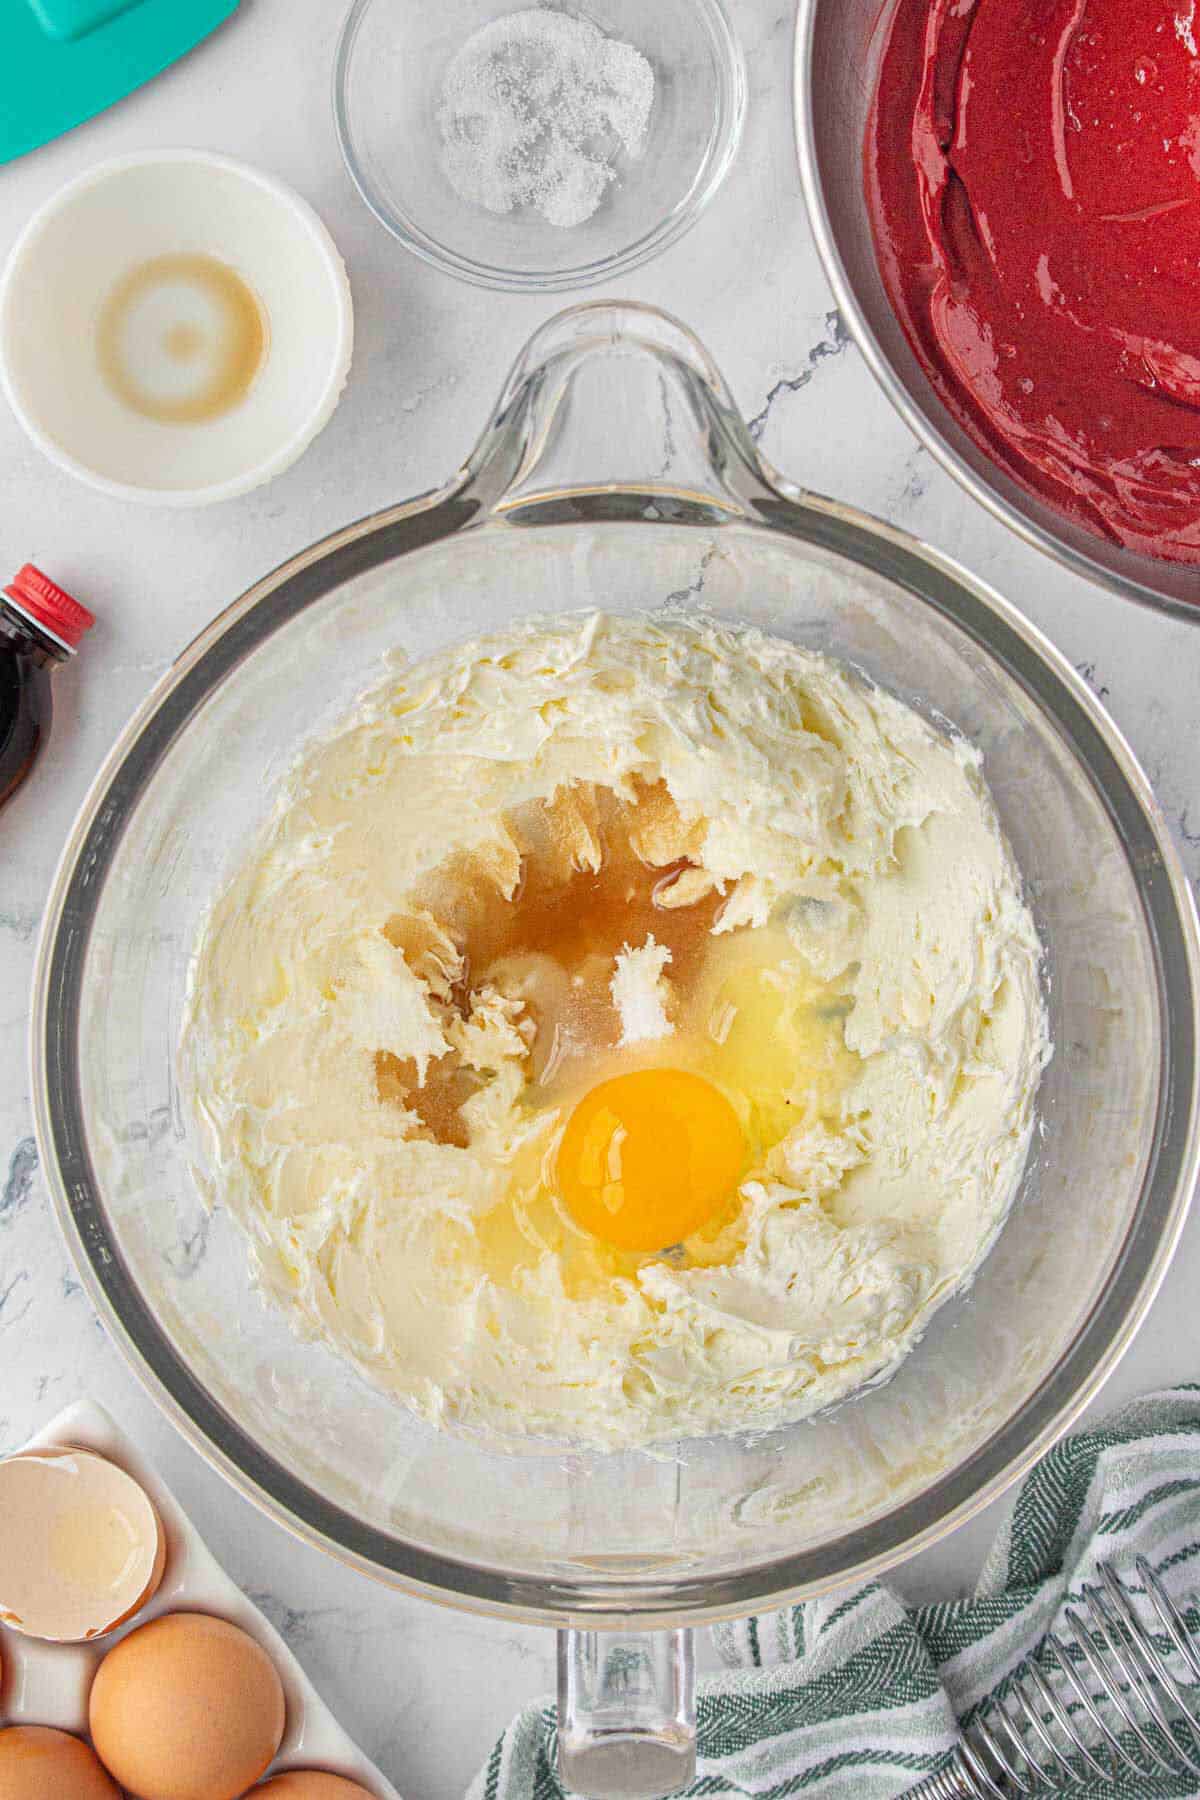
(310, 1784)
(39, 1764)
(187, 1708)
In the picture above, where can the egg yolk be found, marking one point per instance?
(647, 1158)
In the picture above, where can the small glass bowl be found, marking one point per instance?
(388, 77)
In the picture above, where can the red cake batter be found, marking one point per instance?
(1033, 172)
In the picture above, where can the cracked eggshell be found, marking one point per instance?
(82, 1547)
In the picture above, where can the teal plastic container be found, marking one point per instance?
(66, 60)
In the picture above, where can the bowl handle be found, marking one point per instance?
(611, 398)
(626, 1713)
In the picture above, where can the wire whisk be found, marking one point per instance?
(1117, 1698)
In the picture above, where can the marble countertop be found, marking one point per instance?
(425, 1690)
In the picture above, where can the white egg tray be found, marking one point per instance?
(48, 1684)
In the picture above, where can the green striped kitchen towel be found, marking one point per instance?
(853, 1697)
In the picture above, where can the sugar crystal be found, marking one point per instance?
(535, 107)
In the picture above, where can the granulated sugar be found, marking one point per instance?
(534, 110)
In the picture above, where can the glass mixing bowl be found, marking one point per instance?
(615, 472)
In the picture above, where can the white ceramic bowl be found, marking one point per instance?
(91, 234)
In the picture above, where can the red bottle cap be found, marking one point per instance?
(49, 606)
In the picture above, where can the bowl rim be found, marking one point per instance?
(301, 215)
(918, 420)
(719, 156)
(486, 493)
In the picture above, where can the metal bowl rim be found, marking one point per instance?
(877, 361)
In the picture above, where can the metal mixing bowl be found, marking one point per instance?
(839, 44)
(616, 472)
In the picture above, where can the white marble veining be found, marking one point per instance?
(426, 1690)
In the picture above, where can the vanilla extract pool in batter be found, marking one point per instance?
(654, 1148)
(557, 938)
